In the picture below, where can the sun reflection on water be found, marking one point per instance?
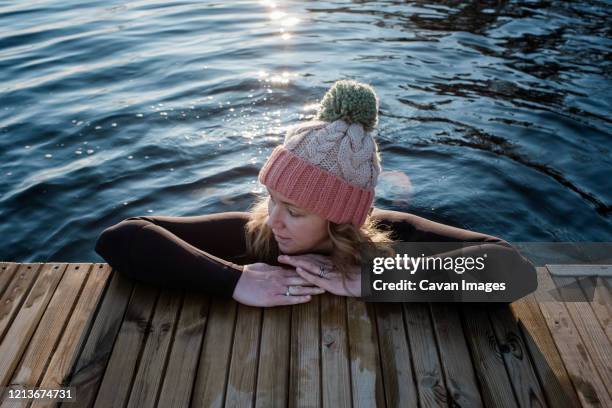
(283, 18)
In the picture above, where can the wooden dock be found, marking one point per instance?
(122, 343)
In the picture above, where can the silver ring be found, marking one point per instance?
(288, 292)
(322, 271)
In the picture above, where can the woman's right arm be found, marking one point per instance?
(198, 253)
(147, 250)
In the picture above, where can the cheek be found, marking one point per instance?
(296, 227)
(309, 230)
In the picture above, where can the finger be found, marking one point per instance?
(297, 261)
(312, 257)
(326, 260)
(315, 260)
(315, 266)
(287, 260)
(289, 273)
(282, 300)
(306, 290)
(295, 281)
(327, 275)
(320, 282)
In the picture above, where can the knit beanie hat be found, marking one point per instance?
(330, 165)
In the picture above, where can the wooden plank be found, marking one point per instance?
(305, 373)
(495, 387)
(427, 370)
(185, 354)
(7, 271)
(245, 355)
(87, 372)
(123, 363)
(273, 371)
(15, 293)
(151, 368)
(547, 362)
(75, 334)
(366, 372)
(211, 380)
(457, 365)
(514, 351)
(50, 329)
(19, 334)
(335, 362)
(580, 270)
(400, 389)
(593, 337)
(589, 386)
(601, 303)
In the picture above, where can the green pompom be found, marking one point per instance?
(352, 101)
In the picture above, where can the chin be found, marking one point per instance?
(283, 248)
(287, 250)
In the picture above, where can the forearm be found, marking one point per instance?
(147, 252)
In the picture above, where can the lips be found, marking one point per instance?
(278, 237)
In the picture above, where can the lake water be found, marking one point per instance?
(493, 117)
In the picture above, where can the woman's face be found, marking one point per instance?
(295, 229)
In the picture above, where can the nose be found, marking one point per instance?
(275, 218)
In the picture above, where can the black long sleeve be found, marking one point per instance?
(193, 253)
(504, 262)
(205, 253)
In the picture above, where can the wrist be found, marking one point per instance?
(240, 275)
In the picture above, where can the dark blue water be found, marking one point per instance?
(493, 117)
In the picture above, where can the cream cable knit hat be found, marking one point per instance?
(330, 165)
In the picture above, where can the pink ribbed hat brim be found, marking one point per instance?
(315, 189)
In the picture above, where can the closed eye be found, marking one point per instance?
(289, 210)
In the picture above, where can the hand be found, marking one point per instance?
(266, 285)
(308, 267)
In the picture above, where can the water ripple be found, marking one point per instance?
(113, 110)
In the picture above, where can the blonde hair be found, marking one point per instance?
(347, 240)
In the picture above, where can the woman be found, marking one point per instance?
(303, 237)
